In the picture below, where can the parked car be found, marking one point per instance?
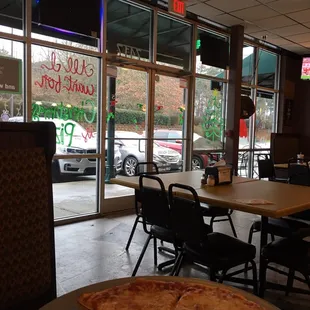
(70, 143)
(133, 151)
(173, 140)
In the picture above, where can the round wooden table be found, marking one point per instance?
(69, 301)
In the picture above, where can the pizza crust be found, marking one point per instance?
(163, 295)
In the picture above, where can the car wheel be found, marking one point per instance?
(130, 164)
(196, 163)
(56, 175)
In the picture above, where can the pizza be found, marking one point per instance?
(161, 295)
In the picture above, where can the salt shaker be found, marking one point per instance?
(210, 180)
(300, 158)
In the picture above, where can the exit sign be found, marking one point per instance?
(177, 7)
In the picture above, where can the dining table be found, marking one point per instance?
(70, 301)
(264, 198)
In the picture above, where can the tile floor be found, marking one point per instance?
(93, 251)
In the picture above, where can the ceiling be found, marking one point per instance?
(285, 23)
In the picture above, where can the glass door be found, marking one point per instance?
(127, 102)
(169, 122)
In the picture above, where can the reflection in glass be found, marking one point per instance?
(267, 64)
(173, 43)
(11, 16)
(205, 69)
(128, 30)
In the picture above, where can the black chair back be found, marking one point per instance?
(186, 216)
(154, 203)
(265, 167)
(299, 174)
(142, 168)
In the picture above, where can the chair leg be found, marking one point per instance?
(290, 281)
(179, 265)
(254, 271)
(307, 277)
(223, 275)
(212, 274)
(272, 237)
(262, 283)
(132, 232)
(232, 226)
(176, 262)
(211, 222)
(249, 241)
(155, 251)
(141, 255)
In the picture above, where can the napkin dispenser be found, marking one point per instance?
(221, 174)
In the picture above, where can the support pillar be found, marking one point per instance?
(234, 97)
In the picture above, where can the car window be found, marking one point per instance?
(174, 136)
(160, 134)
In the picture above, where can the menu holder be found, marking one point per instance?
(221, 174)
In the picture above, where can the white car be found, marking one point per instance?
(72, 138)
(132, 149)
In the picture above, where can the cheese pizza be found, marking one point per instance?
(162, 295)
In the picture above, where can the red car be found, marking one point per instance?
(173, 140)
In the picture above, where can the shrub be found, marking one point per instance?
(123, 116)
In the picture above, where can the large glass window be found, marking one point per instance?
(209, 120)
(11, 77)
(128, 30)
(258, 70)
(173, 42)
(64, 91)
(266, 72)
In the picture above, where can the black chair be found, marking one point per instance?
(283, 227)
(138, 172)
(266, 169)
(217, 251)
(299, 173)
(155, 213)
(292, 253)
(218, 214)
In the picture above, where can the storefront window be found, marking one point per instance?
(267, 65)
(11, 77)
(64, 91)
(264, 118)
(248, 74)
(209, 120)
(128, 30)
(173, 43)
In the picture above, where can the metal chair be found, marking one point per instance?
(299, 173)
(156, 217)
(292, 253)
(217, 251)
(266, 169)
(137, 196)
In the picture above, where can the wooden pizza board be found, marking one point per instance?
(69, 301)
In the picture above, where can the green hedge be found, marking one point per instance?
(123, 116)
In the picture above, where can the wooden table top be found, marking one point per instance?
(285, 199)
(69, 301)
(281, 166)
(191, 178)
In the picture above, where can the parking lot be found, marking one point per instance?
(73, 197)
